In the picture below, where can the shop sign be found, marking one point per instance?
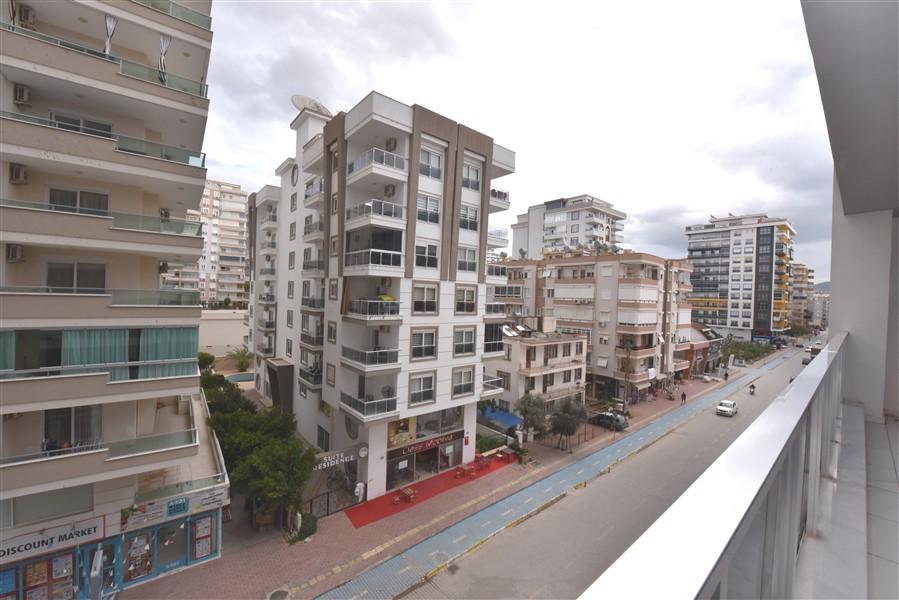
(424, 445)
(158, 511)
(327, 460)
(51, 539)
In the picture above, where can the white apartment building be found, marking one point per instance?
(373, 295)
(631, 307)
(538, 361)
(741, 274)
(582, 221)
(819, 308)
(109, 475)
(222, 271)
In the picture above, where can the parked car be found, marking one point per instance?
(609, 420)
(806, 360)
(808, 348)
(819, 343)
(727, 408)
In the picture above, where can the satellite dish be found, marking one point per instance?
(306, 103)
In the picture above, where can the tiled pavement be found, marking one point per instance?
(339, 552)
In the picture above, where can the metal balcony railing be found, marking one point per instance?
(492, 384)
(161, 297)
(501, 195)
(267, 298)
(374, 308)
(378, 157)
(369, 407)
(313, 227)
(317, 187)
(312, 302)
(312, 339)
(313, 265)
(373, 257)
(311, 375)
(371, 357)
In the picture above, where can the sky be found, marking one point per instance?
(671, 111)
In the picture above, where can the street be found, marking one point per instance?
(561, 551)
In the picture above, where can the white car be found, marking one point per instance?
(727, 408)
(808, 348)
(819, 343)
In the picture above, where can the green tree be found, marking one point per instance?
(223, 395)
(242, 358)
(569, 414)
(241, 432)
(276, 472)
(226, 302)
(530, 408)
(485, 405)
(205, 361)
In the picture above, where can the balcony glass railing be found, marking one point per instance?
(163, 297)
(374, 308)
(266, 298)
(501, 195)
(313, 265)
(123, 143)
(371, 357)
(496, 346)
(312, 339)
(267, 271)
(378, 157)
(126, 67)
(264, 348)
(317, 187)
(268, 246)
(495, 308)
(177, 489)
(313, 227)
(121, 371)
(374, 257)
(499, 233)
(311, 302)
(375, 207)
(496, 270)
(311, 375)
(270, 218)
(492, 384)
(119, 220)
(369, 407)
(179, 12)
(265, 323)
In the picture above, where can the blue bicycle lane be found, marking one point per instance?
(407, 569)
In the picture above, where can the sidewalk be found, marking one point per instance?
(339, 552)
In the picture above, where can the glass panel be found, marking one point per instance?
(57, 429)
(93, 203)
(91, 277)
(63, 199)
(61, 277)
(55, 503)
(137, 556)
(172, 545)
(87, 425)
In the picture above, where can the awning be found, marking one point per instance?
(502, 418)
(643, 385)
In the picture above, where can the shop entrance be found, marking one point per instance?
(106, 579)
(426, 463)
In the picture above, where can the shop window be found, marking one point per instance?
(45, 578)
(137, 553)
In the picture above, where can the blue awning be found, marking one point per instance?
(502, 418)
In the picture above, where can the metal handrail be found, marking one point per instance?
(119, 297)
(95, 368)
(379, 157)
(379, 308)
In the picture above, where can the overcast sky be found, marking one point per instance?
(671, 111)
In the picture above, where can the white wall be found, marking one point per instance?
(222, 331)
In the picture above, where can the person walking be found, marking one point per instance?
(726, 375)
(683, 398)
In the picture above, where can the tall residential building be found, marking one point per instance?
(222, 271)
(110, 476)
(631, 306)
(582, 221)
(741, 274)
(802, 286)
(819, 308)
(369, 304)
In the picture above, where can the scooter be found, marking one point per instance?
(752, 389)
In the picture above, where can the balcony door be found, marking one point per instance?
(78, 277)
(72, 428)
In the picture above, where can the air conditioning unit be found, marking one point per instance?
(26, 16)
(389, 190)
(390, 144)
(21, 95)
(14, 253)
(18, 174)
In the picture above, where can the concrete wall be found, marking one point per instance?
(221, 331)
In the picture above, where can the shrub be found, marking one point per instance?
(485, 443)
(205, 360)
(308, 526)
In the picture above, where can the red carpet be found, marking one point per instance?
(383, 506)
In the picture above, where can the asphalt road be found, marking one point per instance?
(561, 551)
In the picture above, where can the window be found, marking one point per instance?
(574, 228)
(334, 245)
(334, 203)
(468, 218)
(78, 277)
(293, 202)
(288, 347)
(79, 124)
(332, 289)
(579, 348)
(463, 341)
(290, 318)
(330, 375)
(463, 381)
(549, 380)
(471, 177)
(332, 332)
(72, 427)
(428, 208)
(291, 260)
(426, 256)
(424, 299)
(574, 241)
(304, 322)
(578, 374)
(566, 349)
(82, 202)
(551, 351)
(566, 376)
(293, 231)
(493, 337)
(290, 289)
(421, 388)
(466, 300)
(468, 259)
(529, 384)
(505, 380)
(324, 439)
(429, 164)
(424, 344)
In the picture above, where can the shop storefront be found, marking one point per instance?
(78, 561)
(419, 447)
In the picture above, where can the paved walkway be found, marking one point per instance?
(406, 570)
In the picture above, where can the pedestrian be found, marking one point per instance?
(725, 376)
(683, 398)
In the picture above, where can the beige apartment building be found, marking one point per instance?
(802, 288)
(630, 306)
(109, 475)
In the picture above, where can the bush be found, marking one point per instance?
(485, 443)
(308, 526)
(205, 360)
(748, 351)
(224, 396)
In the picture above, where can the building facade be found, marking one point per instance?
(110, 475)
(741, 275)
(581, 221)
(631, 306)
(222, 273)
(820, 310)
(373, 296)
(802, 286)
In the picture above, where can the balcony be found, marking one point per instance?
(268, 248)
(19, 302)
(495, 310)
(313, 232)
(378, 167)
(269, 222)
(681, 365)
(637, 376)
(179, 12)
(265, 324)
(642, 351)
(55, 52)
(93, 229)
(313, 152)
(497, 237)
(54, 136)
(174, 438)
(311, 376)
(312, 303)
(493, 348)
(378, 213)
(313, 268)
(497, 271)
(266, 298)
(373, 262)
(311, 339)
(267, 273)
(374, 310)
(371, 360)
(499, 200)
(314, 193)
(492, 387)
(265, 348)
(636, 327)
(369, 409)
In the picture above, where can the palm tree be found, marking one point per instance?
(241, 357)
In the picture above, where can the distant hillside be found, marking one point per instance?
(824, 286)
